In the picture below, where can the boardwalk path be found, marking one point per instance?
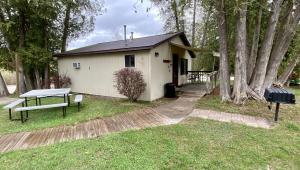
(170, 113)
(94, 128)
(167, 114)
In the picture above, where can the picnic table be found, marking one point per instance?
(38, 94)
(64, 92)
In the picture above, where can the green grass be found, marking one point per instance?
(92, 108)
(252, 108)
(194, 144)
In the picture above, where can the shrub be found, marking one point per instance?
(130, 83)
(61, 81)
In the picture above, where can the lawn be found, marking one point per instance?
(92, 108)
(192, 144)
(254, 108)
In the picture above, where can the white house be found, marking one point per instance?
(162, 59)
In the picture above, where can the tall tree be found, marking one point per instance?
(255, 42)
(240, 75)
(19, 60)
(223, 40)
(285, 37)
(266, 47)
(3, 87)
(194, 22)
(283, 78)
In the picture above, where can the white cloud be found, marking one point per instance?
(109, 26)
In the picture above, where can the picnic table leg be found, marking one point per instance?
(22, 120)
(26, 104)
(9, 114)
(68, 100)
(36, 101)
(78, 105)
(64, 111)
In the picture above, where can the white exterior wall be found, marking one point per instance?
(162, 73)
(96, 75)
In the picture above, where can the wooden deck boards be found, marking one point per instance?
(128, 121)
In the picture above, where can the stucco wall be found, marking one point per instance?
(161, 73)
(96, 75)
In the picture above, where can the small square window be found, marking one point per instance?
(129, 61)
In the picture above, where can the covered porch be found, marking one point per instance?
(184, 77)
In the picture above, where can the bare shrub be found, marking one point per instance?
(61, 81)
(130, 83)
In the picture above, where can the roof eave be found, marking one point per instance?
(102, 52)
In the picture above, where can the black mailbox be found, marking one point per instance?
(279, 95)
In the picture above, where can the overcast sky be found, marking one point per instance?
(109, 26)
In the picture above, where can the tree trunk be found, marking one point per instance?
(19, 62)
(194, 23)
(66, 28)
(207, 17)
(47, 68)
(281, 46)
(175, 10)
(288, 71)
(28, 82)
(265, 50)
(3, 87)
(46, 77)
(240, 75)
(37, 78)
(182, 18)
(223, 40)
(254, 48)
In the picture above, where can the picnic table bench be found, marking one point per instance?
(49, 106)
(13, 105)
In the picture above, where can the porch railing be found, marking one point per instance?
(209, 78)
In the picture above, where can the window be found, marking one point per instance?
(183, 66)
(129, 61)
(76, 65)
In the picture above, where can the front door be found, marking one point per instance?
(175, 69)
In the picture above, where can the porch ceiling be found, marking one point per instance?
(191, 49)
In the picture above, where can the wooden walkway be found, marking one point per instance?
(128, 121)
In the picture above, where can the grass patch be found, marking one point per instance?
(194, 144)
(252, 108)
(92, 108)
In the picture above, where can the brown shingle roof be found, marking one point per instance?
(144, 43)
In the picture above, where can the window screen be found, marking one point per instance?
(129, 61)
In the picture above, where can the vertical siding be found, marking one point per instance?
(96, 75)
(161, 73)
